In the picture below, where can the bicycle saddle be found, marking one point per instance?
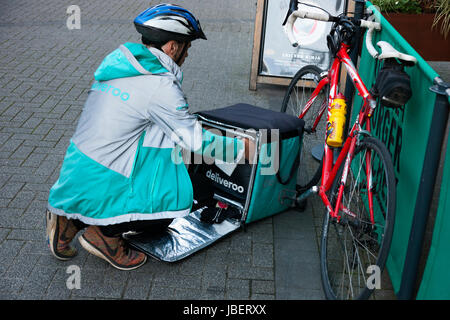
(388, 51)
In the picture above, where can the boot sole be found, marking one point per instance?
(96, 252)
(52, 219)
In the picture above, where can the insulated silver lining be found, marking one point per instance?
(183, 237)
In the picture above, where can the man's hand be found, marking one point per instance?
(249, 145)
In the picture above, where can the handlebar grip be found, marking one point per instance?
(370, 24)
(369, 46)
(303, 15)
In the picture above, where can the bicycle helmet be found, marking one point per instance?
(165, 22)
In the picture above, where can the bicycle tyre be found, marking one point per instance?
(349, 247)
(309, 172)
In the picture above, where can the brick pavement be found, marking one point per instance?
(45, 73)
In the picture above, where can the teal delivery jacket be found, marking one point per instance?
(121, 164)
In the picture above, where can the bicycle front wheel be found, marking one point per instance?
(354, 250)
(297, 95)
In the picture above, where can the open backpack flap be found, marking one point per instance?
(224, 198)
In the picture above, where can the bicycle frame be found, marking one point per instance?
(329, 170)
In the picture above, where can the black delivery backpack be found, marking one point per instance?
(241, 193)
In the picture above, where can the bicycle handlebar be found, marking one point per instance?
(304, 14)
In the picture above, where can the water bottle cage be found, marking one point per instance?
(329, 129)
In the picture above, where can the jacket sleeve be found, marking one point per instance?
(170, 111)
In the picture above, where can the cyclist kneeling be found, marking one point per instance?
(118, 173)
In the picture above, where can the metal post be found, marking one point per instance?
(425, 192)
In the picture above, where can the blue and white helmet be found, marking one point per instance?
(165, 22)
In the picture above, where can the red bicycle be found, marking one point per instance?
(356, 180)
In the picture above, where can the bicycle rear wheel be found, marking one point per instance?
(352, 245)
(295, 99)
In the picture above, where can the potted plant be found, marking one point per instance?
(425, 24)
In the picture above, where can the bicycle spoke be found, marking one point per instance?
(347, 266)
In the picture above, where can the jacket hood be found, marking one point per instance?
(134, 59)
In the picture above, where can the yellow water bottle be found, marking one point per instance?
(336, 123)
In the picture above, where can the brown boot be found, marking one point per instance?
(60, 232)
(112, 249)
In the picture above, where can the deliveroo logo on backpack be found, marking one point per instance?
(116, 92)
(226, 183)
